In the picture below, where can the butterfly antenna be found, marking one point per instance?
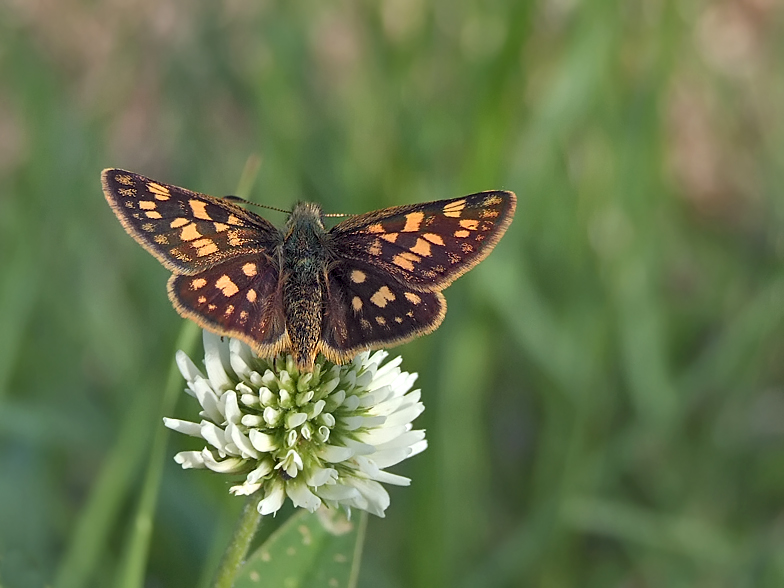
(337, 214)
(238, 199)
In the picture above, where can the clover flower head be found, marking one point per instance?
(320, 438)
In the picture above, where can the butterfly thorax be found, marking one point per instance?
(303, 261)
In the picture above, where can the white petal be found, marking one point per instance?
(381, 435)
(252, 421)
(208, 399)
(272, 416)
(232, 410)
(264, 468)
(214, 435)
(216, 361)
(242, 442)
(244, 489)
(337, 492)
(406, 415)
(301, 495)
(377, 498)
(187, 368)
(261, 441)
(406, 440)
(240, 358)
(320, 476)
(316, 409)
(295, 419)
(385, 459)
(189, 459)
(230, 465)
(359, 448)
(389, 478)
(272, 502)
(335, 454)
(185, 427)
(351, 402)
(352, 423)
(375, 397)
(418, 447)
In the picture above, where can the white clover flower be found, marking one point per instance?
(319, 438)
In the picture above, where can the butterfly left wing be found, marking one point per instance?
(241, 298)
(186, 231)
(427, 246)
(366, 309)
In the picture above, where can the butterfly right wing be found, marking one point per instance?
(186, 231)
(366, 309)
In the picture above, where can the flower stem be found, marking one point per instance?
(239, 545)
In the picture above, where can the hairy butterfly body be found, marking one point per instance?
(372, 280)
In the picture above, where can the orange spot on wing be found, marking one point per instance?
(402, 262)
(147, 205)
(250, 269)
(226, 286)
(178, 222)
(454, 208)
(198, 283)
(433, 238)
(413, 220)
(199, 209)
(412, 298)
(422, 248)
(382, 296)
(161, 192)
(462, 234)
(391, 237)
(153, 214)
(206, 247)
(469, 223)
(190, 232)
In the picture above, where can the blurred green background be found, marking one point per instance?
(605, 400)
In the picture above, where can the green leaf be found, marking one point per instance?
(309, 550)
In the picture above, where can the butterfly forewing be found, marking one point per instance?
(186, 231)
(427, 246)
(366, 309)
(240, 298)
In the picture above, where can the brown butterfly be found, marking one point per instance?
(373, 280)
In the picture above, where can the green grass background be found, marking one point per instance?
(605, 400)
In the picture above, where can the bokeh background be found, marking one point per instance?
(605, 400)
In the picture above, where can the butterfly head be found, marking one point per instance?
(305, 213)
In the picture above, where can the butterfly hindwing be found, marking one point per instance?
(366, 308)
(240, 298)
(185, 230)
(427, 246)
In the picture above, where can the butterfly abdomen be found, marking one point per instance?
(304, 260)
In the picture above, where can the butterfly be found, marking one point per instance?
(373, 280)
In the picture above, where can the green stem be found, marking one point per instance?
(239, 545)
